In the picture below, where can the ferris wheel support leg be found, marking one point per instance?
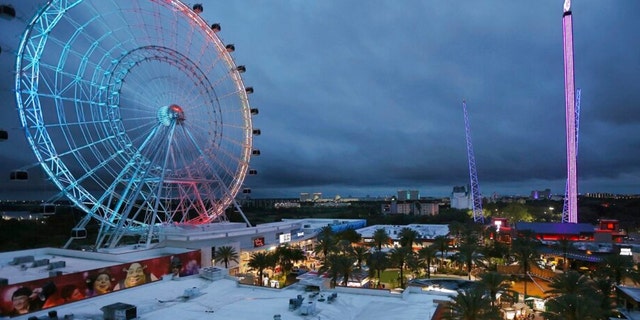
(235, 204)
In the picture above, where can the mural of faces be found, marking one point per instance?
(21, 303)
(31, 296)
(135, 276)
(102, 284)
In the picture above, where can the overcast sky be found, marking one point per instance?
(365, 97)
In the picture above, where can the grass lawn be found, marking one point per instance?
(390, 277)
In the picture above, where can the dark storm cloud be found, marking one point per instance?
(366, 98)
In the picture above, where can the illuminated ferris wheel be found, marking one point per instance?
(136, 111)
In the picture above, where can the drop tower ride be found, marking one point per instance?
(571, 216)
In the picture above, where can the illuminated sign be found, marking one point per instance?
(285, 237)
(625, 252)
(258, 242)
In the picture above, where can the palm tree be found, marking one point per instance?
(226, 254)
(325, 232)
(408, 237)
(442, 244)
(331, 268)
(343, 246)
(525, 249)
(324, 246)
(426, 255)
(571, 307)
(619, 268)
(286, 256)
(495, 253)
(578, 297)
(378, 261)
(604, 287)
(414, 264)
(455, 230)
(399, 257)
(260, 261)
(361, 254)
(468, 252)
(564, 246)
(494, 283)
(380, 238)
(471, 304)
(350, 235)
(338, 265)
(571, 282)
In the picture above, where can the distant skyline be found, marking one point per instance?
(367, 99)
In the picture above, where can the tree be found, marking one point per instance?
(496, 253)
(414, 264)
(226, 254)
(325, 245)
(425, 256)
(618, 268)
(408, 237)
(471, 304)
(381, 237)
(494, 283)
(338, 265)
(604, 287)
(287, 255)
(398, 258)
(573, 291)
(564, 246)
(571, 307)
(455, 230)
(442, 244)
(325, 232)
(467, 255)
(350, 235)
(359, 253)
(343, 246)
(515, 212)
(378, 261)
(260, 261)
(525, 249)
(571, 282)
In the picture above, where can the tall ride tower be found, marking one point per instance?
(478, 216)
(571, 216)
(565, 207)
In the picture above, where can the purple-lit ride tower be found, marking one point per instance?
(478, 216)
(565, 208)
(571, 216)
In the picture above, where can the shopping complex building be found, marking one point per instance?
(184, 253)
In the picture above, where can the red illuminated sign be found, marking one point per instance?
(258, 242)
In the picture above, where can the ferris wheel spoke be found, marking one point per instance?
(158, 188)
(131, 176)
(211, 163)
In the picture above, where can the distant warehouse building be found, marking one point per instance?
(418, 208)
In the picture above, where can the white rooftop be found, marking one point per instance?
(225, 299)
(425, 231)
(74, 261)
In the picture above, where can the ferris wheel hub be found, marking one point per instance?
(170, 114)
